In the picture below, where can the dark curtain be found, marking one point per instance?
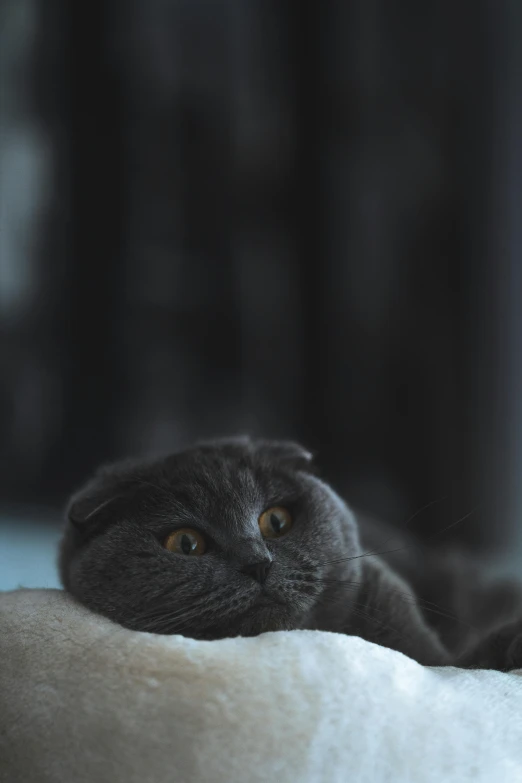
(250, 215)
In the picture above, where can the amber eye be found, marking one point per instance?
(185, 542)
(275, 522)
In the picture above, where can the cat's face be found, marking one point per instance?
(231, 538)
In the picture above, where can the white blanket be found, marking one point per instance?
(85, 701)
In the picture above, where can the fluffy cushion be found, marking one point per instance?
(82, 699)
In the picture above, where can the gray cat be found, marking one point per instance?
(238, 537)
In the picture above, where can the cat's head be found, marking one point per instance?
(234, 537)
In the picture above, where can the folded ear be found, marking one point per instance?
(112, 486)
(96, 504)
(286, 452)
(84, 508)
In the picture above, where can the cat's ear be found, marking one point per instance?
(86, 508)
(104, 495)
(96, 504)
(286, 452)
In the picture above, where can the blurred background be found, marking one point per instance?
(294, 219)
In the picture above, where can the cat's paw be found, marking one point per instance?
(501, 650)
(505, 648)
(514, 652)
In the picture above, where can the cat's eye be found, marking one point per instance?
(275, 522)
(185, 542)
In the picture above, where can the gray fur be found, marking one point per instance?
(112, 559)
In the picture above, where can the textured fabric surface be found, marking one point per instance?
(84, 700)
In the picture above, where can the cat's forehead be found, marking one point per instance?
(229, 487)
(212, 488)
(215, 476)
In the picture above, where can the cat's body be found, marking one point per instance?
(239, 537)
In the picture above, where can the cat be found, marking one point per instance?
(237, 537)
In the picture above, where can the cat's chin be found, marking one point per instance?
(263, 617)
(266, 616)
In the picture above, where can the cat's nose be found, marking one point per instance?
(258, 571)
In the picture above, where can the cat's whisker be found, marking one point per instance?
(361, 611)
(398, 549)
(167, 622)
(422, 509)
(165, 614)
(159, 609)
(410, 519)
(160, 620)
(163, 617)
(427, 606)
